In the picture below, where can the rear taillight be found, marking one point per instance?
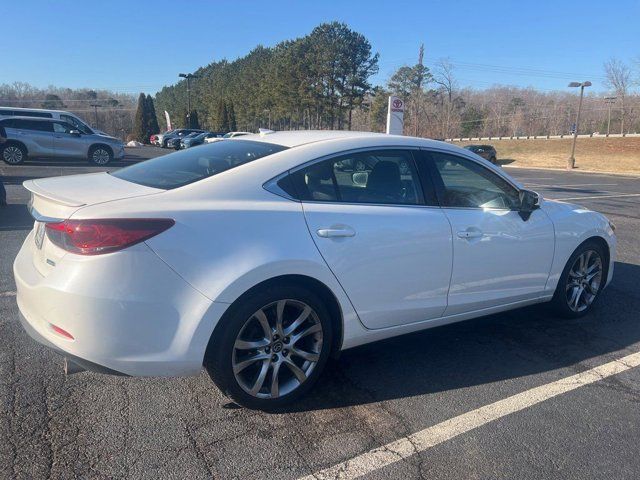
(93, 237)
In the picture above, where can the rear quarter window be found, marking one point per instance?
(191, 165)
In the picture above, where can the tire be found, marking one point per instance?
(164, 144)
(573, 280)
(229, 349)
(13, 153)
(494, 160)
(100, 155)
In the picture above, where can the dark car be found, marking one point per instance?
(179, 134)
(485, 151)
(198, 139)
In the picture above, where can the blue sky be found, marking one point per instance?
(133, 46)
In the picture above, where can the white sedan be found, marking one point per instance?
(260, 257)
(225, 136)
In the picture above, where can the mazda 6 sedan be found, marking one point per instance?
(259, 257)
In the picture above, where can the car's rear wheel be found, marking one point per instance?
(100, 155)
(270, 347)
(13, 154)
(581, 282)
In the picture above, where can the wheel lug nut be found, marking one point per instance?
(267, 350)
(286, 339)
(274, 358)
(285, 352)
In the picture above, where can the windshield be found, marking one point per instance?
(191, 165)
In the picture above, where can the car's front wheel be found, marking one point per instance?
(100, 155)
(270, 347)
(581, 282)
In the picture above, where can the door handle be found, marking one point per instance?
(470, 234)
(336, 232)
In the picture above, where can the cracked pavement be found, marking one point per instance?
(95, 426)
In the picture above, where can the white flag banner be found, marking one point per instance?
(168, 119)
(395, 116)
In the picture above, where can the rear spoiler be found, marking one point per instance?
(35, 189)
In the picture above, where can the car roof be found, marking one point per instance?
(296, 138)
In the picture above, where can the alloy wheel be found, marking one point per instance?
(277, 349)
(12, 154)
(584, 280)
(100, 156)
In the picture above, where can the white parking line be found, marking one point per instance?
(429, 437)
(573, 185)
(7, 294)
(619, 195)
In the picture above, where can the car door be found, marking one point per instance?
(67, 144)
(499, 256)
(36, 134)
(389, 248)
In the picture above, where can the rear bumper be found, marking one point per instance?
(128, 312)
(119, 153)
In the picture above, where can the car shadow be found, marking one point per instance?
(514, 344)
(15, 216)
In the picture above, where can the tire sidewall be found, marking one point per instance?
(218, 359)
(560, 297)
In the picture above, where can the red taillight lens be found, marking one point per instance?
(93, 237)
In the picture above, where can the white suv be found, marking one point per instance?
(44, 137)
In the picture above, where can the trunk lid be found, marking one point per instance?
(57, 198)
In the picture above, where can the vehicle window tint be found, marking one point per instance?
(76, 123)
(383, 177)
(33, 125)
(8, 123)
(464, 183)
(191, 165)
(61, 127)
(35, 114)
(7, 113)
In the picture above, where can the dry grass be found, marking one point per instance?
(615, 155)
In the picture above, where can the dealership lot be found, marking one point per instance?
(94, 426)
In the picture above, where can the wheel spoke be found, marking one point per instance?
(575, 298)
(238, 367)
(312, 357)
(297, 371)
(275, 382)
(261, 376)
(251, 344)
(312, 329)
(298, 321)
(280, 316)
(264, 323)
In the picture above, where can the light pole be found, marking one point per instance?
(95, 109)
(609, 101)
(188, 76)
(571, 161)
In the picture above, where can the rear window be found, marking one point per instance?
(191, 165)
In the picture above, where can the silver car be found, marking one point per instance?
(45, 137)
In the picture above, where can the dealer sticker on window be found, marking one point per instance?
(39, 234)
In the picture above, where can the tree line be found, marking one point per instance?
(317, 81)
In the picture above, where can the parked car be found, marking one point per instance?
(167, 139)
(226, 135)
(485, 151)
(197, 139)
(44, 137)
(68, 117)
(159, 137)
(258, 259)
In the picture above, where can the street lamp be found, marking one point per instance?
(609, 101)
(571, 161)
(188, 76)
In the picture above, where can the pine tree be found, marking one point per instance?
(152, 120)
(223, 117)
(139, 123)
(193, 119)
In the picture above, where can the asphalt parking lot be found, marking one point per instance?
(94, 426)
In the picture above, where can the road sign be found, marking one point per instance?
(395, 116)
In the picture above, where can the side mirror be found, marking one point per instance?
(75, 132)
(529, 201)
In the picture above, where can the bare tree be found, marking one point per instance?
(619, 80)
